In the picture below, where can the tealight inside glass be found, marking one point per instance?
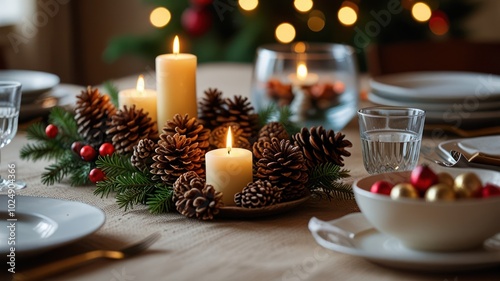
(317, 81)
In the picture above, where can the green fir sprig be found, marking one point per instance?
(325, 180)
(112, 92)
(132, 186)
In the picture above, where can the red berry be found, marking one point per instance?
(96, 175)
(490, 190)
(422, 177)
(76, 147)
(51, 131)
(106, 149)
(381, 187)
(88, 153)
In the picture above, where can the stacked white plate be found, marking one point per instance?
(454, 98)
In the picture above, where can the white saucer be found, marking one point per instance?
(438, 86)
(354, 235)
(45, 223)
(34, 83)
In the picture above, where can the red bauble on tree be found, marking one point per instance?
(51, 131)
(196, 20)
(201, 3)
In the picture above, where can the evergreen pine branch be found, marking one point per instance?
(36, 132)
(112, 91)
(133, 189)
(284, 117)
(115, 165)
(57, 171)
(105, 187)
(324, 180)
(66, 123)
(161, 200)
(45, 150)
(79, 174)
(266, 115)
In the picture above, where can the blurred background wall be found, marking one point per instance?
(69, 37)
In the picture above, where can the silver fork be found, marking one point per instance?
(71, 262)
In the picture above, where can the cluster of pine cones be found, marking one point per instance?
(176, 155)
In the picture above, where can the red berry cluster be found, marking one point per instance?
(425, 183)
(85, 152)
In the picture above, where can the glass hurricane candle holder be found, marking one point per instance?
(317, 81)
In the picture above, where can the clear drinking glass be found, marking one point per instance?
(317, 81)
(390, 138)
(10, 101)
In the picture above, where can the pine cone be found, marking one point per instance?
(283, 164)
(128, 126)
(174, 156)
(142, 157)
(211, 106)
(92, 112)
(273, 130)
(240, 111)
(258, 194)
(200, 203)
(321, 146)
(190, 127)
(258, 148)
(218, 137)
(185, 182)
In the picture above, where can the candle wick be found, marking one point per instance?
(228, 150)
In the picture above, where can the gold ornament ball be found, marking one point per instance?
(404, 190)
(440, 192)
(467, 185)
(446, 178)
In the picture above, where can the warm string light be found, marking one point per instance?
(303, 5)
(285, 33)
(248, 5)
(160, 17)
(421, 12)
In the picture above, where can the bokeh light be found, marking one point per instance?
(299, 47)
(438, 24)
(303, 5)
(316, 21)
(248, 5)
(347, 15)
(160, 17)
(285, 33)
(421, 12)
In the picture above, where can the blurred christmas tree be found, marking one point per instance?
(231, 30)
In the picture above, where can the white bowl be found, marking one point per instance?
(431, 226)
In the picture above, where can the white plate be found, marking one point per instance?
(45, 223)
(439, 86)
(434, 106)
(34, 83)
(63, 95)
(354, 235)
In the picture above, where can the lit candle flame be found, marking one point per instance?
(301, 71)
(229, 140)
(176, 45)
(140, 84)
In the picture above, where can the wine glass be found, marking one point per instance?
(10, 102)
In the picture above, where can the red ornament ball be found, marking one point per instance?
(76, 147)
(88, 153)
(106, 149)
(196, 21)
(96, 175)
(381, 187)
(422, 177)
(490, 190)
(201, 2)
(51, 131)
